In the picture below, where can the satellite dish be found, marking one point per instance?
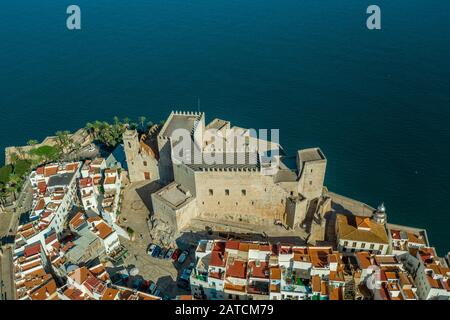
(134, 272)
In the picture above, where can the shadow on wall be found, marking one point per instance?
(145, 193)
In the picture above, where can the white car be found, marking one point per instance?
(150, 249)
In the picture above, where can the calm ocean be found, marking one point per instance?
(376, 102)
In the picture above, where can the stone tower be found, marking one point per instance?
(132, 148)
(311, 164)
(379, 216)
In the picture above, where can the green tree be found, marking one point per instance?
(22, 167)
(32, 142)
(13, 157)
(64, 139)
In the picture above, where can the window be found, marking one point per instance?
(243, 192)
(380, 247)
(354, 244)
(363, 245)
(211, 192)
(345, 243)
(311, 170)
(145, 163)
(227, 192)
(129, 145)
(372, 246)
(310, 182)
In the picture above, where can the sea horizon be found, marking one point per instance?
(375, 102)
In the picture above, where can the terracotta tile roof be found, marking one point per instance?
(243, 246)
(259, 271)
(40, 205)
(72, 166)
(85, 182)
(50, 170)
(77, 220)
(44, 292)
(74, 294)
(232, 287)
(218, 259)
(409, 294)
(275, 273)
(348, 230)
(32, 249)
(319, 256)
(336, 293)
(232, 244)
(110, 180)
(103, 230)
(42, 186)
(274, 288)
(315, 283)
(363, 258)
(110, 294)
(324, 288)
(219, 246)
(80, 275)
(237, 269)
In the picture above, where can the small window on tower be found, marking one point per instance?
(145, 163)
(310, 183)
(211, 192)
(243, 192)
(129, 145)
(227, 192)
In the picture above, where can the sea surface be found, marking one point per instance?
(376, 102)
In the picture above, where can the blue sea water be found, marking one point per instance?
(376, 102)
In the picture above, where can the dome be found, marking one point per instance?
(381, 208)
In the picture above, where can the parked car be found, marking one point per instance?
(169, 254)
(152, 288)
(162, 254)
(176, 254)
(183, 257)
(156, 251)
(145, 285)
(150, 249)
(183, 283)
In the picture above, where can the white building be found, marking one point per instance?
(260, 271)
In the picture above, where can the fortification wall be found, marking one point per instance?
(239, 196)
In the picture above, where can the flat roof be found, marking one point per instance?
(174, 194)
(62, 179)
(217, 124)
(179, 121)
(311, 154)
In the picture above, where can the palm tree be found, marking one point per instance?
(142, 122)
(13, 158)
(126, 120)
(64, 139)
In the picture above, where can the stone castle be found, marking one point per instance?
(260, 189)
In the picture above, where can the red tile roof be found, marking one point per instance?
(237, 269)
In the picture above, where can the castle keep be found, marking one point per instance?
(255, 183)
